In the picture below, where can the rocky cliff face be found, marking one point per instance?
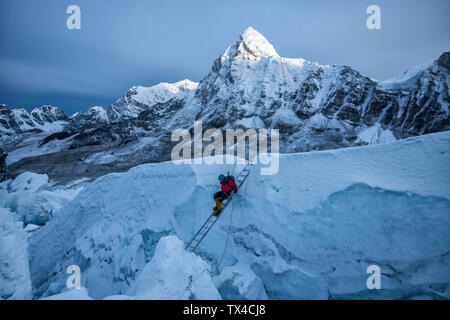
(4, 174)
(314, 106)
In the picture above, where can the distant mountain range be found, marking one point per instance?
(42, 119)
(314, 106)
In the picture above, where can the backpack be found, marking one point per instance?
(228, 178)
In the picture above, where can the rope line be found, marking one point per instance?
(228, 236)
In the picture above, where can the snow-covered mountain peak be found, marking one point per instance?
(96, 109)
(185, 84)
(251, 45)
(48, 113)
(46, 108)
(139, 98)
(98, 113)
(163, 91)
(257, 44)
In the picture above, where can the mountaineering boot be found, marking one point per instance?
(217, 203)
(218, 207)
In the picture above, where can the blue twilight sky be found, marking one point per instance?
(125, 43)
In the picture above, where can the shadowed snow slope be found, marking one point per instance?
(14, 273)
(174, 273)
(310, 231)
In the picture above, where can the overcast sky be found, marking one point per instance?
(125, 43)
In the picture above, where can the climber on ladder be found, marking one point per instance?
(227, 186)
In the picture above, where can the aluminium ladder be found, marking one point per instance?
(204, 229)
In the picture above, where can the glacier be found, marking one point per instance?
(308, 232)
(15, 280)
(34, 199)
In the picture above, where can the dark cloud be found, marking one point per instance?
(125, 43)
